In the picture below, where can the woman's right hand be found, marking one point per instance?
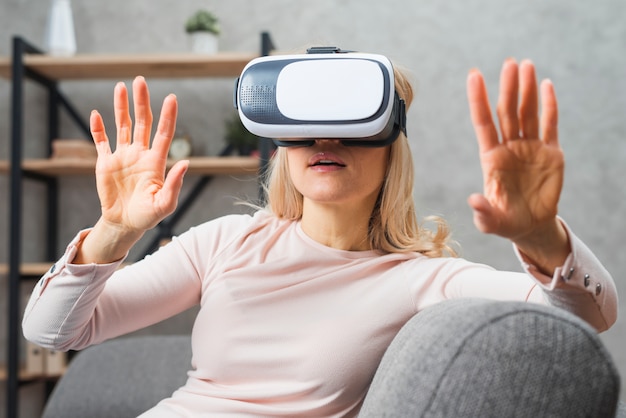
(135, 195)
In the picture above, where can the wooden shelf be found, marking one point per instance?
(116, 66)
(26, 377)
(197, 166)
(28, 269)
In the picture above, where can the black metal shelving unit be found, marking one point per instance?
(20, 73)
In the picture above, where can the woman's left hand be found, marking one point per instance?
(523, 164)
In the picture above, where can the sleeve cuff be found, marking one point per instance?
(64, 265)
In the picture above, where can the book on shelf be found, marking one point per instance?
(35, 359)
(55, 362)
(44, 362)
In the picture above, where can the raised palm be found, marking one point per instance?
(522, 164)
(135, 194)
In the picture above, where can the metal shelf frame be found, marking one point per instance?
(20, 73)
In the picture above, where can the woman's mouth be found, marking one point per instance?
(327, 163)
(325, 159)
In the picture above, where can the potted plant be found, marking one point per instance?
(239, 138)
(203, 28)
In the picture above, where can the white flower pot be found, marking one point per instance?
(203, 42)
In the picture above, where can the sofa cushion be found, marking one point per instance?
(122, 377)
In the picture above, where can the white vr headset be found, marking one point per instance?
(323, 94)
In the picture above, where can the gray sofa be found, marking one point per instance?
(462, 358)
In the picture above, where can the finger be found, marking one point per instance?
(507, 100)
(529, 107)
(143, 112)
(168, 195)
(549, 114)
(122, 115)
(480, 112)
(98, 133)
(484, 220)
(166, 126)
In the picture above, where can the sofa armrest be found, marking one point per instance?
(480, 358)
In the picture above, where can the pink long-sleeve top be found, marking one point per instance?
(287, 326)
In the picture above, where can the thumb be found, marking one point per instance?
(172, 185)
(484, 218)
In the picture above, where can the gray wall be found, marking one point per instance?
(579, 45)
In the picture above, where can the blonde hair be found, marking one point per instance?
(393, 225)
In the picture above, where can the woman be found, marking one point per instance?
(300, 300)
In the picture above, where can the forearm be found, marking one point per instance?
(63, 301)
(74, 306)
(105, 243)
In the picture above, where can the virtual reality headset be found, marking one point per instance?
(326, 93)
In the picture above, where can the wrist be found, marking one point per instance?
(547, 246)
(106, 243)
